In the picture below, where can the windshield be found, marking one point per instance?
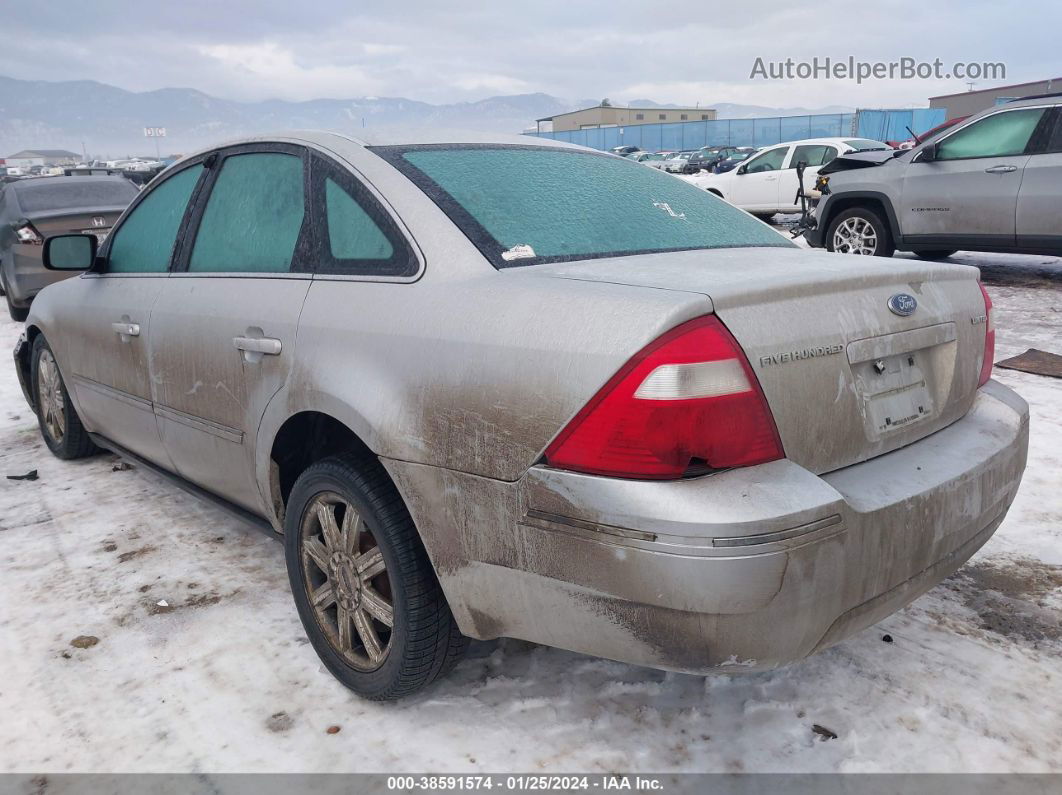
(48, 194)
(524, 205)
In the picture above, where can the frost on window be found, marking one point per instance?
(352, 234)
(569, 204)
(144, 241)
(253, 217)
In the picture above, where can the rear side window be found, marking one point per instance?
(144, 241)
(352, 234)
(40, 196)
(523, 205)
(253, 217)
(813, 155)
(999, 135)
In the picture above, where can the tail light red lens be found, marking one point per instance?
(990, 340)
(25, 233)
(688, 399)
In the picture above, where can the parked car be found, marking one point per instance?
(705, 158)
(676, 163)
(736, 157)
(992, 183)
(652, 429)
(646, 158)
(766, 183)
(33, 208)
(624, 150)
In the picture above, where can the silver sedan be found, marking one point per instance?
(517, 388)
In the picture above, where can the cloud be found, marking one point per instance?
(466, 49)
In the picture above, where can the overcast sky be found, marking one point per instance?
(682, 52)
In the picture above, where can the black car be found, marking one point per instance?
(624, 150)
(33, 208)
(734, 159)
(705, 158)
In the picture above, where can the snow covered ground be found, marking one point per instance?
(222, 678)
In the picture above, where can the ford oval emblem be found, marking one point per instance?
(903, 304)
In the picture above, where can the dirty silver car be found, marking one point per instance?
(515, 388)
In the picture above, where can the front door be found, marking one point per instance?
(815, 156)
(106, 336)
(969, 191)
(224, 327)
(754, 186)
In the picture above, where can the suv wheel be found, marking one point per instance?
(941, 254)
(860, 230)
(61, 428)
(365, 590)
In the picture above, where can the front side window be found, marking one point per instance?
(999, 135)
(253, 217)
(771, 160)
(527, 205)
(143, 243)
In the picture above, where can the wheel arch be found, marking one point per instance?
(873, 200)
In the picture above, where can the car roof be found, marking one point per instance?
(838, 141)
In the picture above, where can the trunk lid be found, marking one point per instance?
(847, 379)
(66, 222)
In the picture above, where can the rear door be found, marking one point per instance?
(1039, 215)
(224, 326)
(104, 342)
(754, 187)
(815, 156)
(969, 193)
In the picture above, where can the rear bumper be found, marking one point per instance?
(26, 275)
(744, 570)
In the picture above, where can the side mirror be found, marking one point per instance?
(69, 252)
(743, 169)
(928, 153)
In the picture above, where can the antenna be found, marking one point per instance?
(970, 84)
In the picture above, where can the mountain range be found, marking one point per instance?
(104, 120)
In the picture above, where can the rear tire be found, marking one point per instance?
(60, 426)
(365, 590)
(860, 230)
(942, 254)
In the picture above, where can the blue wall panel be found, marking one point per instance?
(878, 125)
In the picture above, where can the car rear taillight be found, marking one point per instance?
(25, 233)
(687, 401)
(990, 339)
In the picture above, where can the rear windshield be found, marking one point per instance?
(43, 195)
(525, 205)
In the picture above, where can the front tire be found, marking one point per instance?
(365, 590)
(60, 426)
(860, 230)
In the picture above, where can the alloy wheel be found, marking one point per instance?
(855, 235)
(347, 582)
(50, 396)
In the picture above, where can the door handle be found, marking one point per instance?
(267, 345)
(1000, 169)
(126, 329)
